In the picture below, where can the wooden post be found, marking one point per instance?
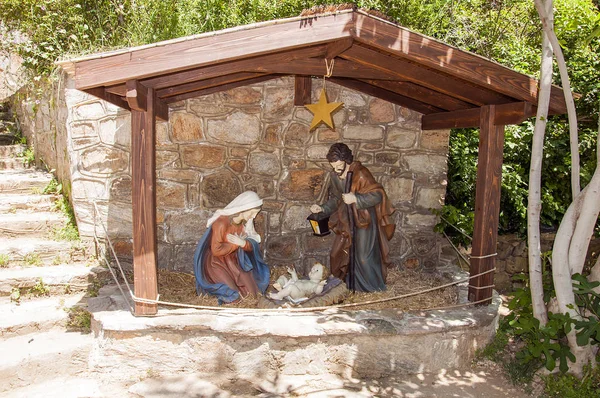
(302, 90)
(487, 205)
(143, 171)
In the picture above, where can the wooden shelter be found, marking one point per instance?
(450, 87)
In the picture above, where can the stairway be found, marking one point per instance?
(44, 286)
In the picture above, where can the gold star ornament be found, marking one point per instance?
(322, 111)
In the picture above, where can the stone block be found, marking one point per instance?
(516, 265)
(83, 129)
(186, 127)
(162, 134)
(119, 220)
(263, 186)
(187, 227)
(318, 244)
(237, 152)
(166, 159)
(430, 198)
(88, 189)
(237, 165)
(242, 95)
(116, 131)
(90, 111)
(428, 164)
(183, 258)
(170, 195)
(387, 157)
(381, 111)
(120, 189)
(350, 98)
(283, 247)
(164, 255)
(237, 128)
(294, 218)
(209, 105)
(304, 185)
(363, 132)
(274, 222)
(425, 221)
(403, 138)
(435, 140)
(219, 189)
(327, 135)
(264, 163)
(104, 160)
(297, 135)
(273, 134)
(365, 158)
(303, 114)
(423, 245)
(371, 147)
(78, 144)
(278, 103)
(203, 156)
(398, 189)
(186, 176)
(318, 152)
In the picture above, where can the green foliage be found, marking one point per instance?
(79, 319)
(569, 386)
(40, 289)
(69, 231)
(4, 260)
(27, 156)
(33, 259)
(588, 303)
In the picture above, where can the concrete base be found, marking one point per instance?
(360, 344)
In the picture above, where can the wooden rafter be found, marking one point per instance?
(103, 94)
(209, 49)
(302, 90)
(222, 87)
(431, 79)
(137, 99)
(438, 56)
(386, 95)
(206, 83)
(422, 94)
(505, 114)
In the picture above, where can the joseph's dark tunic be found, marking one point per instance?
(372, 229)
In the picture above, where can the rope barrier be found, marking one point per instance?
(486, 256)
(271, 310)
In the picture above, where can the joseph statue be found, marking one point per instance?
(368, 232)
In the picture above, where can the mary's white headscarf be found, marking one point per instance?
(244, 201)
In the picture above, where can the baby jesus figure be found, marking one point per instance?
(299, 288)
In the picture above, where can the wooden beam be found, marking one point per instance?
(316, 67)
(302, 90)
(386, 95)
(338, 47)
(220, 88)
(103, 94)
(423, 94)
(439, 56)
(429, 78)
(137, 99)
(143, 190)
(206, 83)
(505, 114)
(487, 205)
(210, 48)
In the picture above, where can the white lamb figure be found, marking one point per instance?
(299, 288)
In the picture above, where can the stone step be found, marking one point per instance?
(31, 316)
(36, 251)
(32, 359)
(23, 181)
(11, 151)
(38, 225)
(13, 164)
(59, 279)
(10, 203)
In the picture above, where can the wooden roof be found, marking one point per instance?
(447, 85)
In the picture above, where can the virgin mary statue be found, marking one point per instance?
(227, 261)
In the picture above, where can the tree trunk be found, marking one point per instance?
(534, 202)
(566, 84)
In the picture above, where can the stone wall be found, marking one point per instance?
(253, 137)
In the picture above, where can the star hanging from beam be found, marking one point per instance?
(322, 111)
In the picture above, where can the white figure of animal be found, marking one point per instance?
(300, 288)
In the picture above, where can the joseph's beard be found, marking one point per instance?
(340, 173)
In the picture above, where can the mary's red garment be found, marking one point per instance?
(221, 263)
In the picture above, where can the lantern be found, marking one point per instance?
(319, 223)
